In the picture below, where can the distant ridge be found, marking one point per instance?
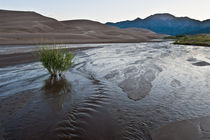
(167, 24)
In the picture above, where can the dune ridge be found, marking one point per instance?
(26, 27)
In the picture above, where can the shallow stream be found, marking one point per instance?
(116, 91)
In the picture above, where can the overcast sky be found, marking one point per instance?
(110, 10)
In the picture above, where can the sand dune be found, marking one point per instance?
(26, 22)
(20, 27)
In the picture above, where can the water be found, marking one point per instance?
(119, 91)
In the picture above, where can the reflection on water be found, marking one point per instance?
(58, 89)
(57, 86)
(121, 91)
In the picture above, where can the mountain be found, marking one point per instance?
(201, 31)
(167, 24)
(25, 27)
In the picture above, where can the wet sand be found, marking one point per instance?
(18, 58)
(194, 129)
(27, 57)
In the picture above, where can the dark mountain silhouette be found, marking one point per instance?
(167, 24)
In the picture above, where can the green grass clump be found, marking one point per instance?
(170, 37)
(174, 37)
(200, 39)
(56, 60)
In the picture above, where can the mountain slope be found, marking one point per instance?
(201, 31)
(22, 27)
(166, 24)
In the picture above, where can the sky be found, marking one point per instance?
(110, 10)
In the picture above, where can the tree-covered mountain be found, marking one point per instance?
(167, 24)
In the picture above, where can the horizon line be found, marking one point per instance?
(159, 13)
